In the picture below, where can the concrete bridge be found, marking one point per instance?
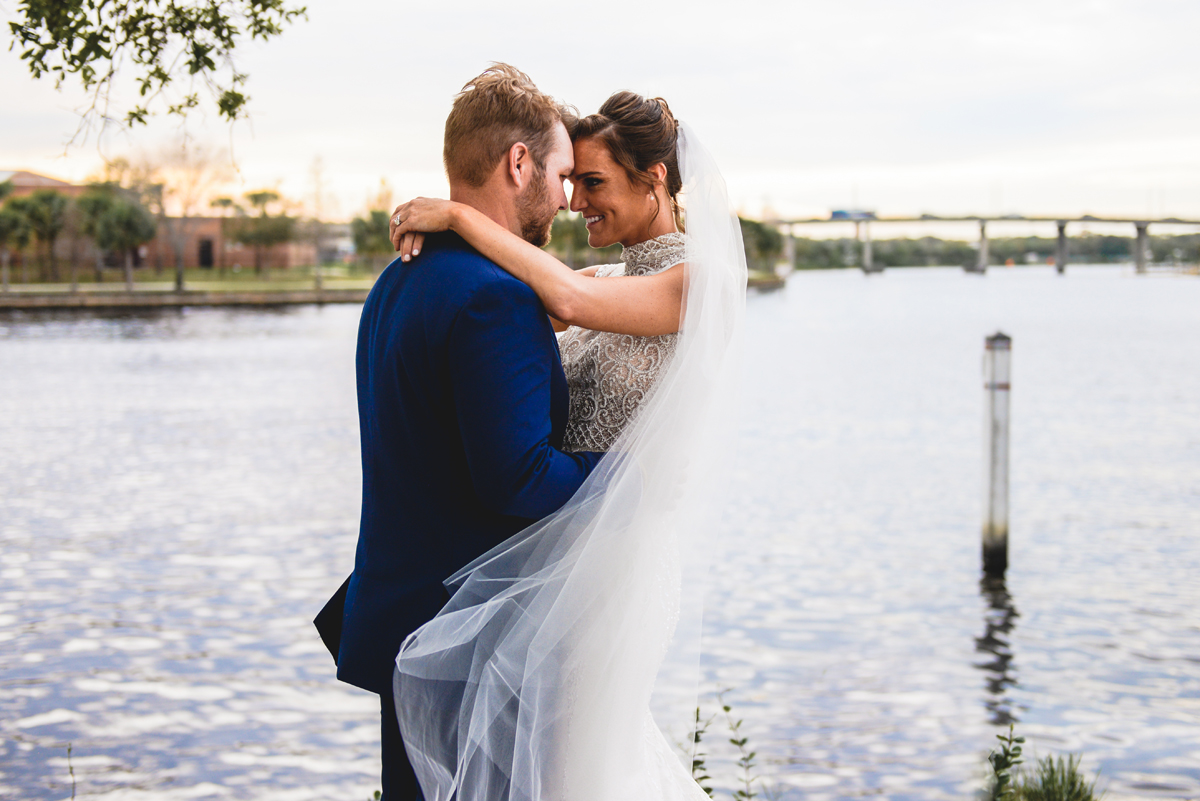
(862, 232)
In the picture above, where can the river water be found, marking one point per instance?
(179, 494)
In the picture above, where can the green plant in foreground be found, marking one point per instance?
(1054, 778)
(746, 759)
(71, 769)
(1002, 763)
(699, 768)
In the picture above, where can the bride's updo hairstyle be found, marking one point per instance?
(638, 133)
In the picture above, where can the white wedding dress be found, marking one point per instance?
(565, 665)
(611, 375)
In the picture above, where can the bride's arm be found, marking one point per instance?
(640, 305)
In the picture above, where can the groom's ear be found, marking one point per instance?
(520, 165)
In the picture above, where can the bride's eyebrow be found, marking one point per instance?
(579, 175)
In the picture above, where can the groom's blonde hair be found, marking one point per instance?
(492, 113)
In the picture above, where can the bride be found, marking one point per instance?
(567, 658)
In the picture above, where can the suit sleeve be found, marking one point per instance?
(501, 355)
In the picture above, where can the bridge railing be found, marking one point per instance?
(862, 232)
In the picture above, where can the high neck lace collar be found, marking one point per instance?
(654, 254)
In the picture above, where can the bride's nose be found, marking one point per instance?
(578, 203)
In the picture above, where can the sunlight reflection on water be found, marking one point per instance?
(180, 494)
(850, 619)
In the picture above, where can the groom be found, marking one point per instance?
(462, 400)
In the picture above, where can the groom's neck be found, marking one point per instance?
(493, 202)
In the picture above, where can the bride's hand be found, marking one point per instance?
(412, 220)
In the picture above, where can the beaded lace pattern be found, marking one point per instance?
(611, 375)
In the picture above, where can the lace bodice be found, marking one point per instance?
(611, 375)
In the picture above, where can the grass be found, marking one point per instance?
(1052, 778)
(1055, 779)
(246, 280)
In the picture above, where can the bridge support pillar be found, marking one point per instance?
(1139, 258)
(983, 247)
(1060, 255)
(868, 260)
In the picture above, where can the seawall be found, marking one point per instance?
(158, 299)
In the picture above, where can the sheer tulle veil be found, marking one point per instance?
(566, 664)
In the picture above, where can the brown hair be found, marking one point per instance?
(638, 133)
(493, 112)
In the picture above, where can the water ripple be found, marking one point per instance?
(180, 494)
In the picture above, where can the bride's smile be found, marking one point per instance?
(615, 208)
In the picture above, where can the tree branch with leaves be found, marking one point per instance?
(173, 50)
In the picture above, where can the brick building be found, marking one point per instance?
(26, 183)
(202, 240)
(205, 245)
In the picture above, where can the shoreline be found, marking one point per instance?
(153, 299)
(759, 280)
(89, 297)
(144, 299)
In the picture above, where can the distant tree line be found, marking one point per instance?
(115, 218)
(569, 242)
(932, 252)
(764, 245)
(257, 227)
(371, 242)
(568, 238)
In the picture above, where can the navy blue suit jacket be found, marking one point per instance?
(462, 407)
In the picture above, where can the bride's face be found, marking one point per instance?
(615, 209)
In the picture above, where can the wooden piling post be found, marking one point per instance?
(1060, 255)
(1140, 246)
(997, 369)
(983, 247)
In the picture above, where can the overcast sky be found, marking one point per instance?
(1047, 107)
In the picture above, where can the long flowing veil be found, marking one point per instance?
(565, 665)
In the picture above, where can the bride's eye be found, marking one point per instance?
(592, 183)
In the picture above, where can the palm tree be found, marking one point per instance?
(14, 235)
(122, 227)
(264, 230)
(47, 214)
(93, 205)
(226, 205)
(371, 237)
(20, 206)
